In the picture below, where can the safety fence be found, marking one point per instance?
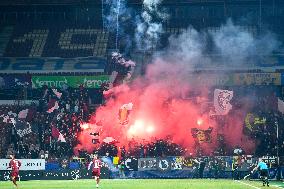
(133, 168)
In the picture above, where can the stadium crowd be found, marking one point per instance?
(73, 109)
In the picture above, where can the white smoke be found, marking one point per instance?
(237, 45)
(112, 8)
(117, 18)
(233, 45)
(149, 25)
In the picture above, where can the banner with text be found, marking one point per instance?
(257, 79)
(27, 164)
(235, 79)
(145, 164)
(71, 81)
(202, 79)
(52, 65)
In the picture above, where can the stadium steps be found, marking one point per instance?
(5, 35)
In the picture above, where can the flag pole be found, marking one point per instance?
(277, 139)
(277, 146)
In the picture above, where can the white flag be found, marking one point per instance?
(109, 140)
(281, 106)
(127, 106)
(23, 114)
(222, 100)
(61, 138)
(58, 94)
(6, 119)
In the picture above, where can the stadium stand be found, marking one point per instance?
(72, 32)
(54, 41)
(5, 35)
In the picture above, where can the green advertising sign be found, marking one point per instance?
(71, 81)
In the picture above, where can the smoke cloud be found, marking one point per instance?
(149, 25)
(169, 101)
(238, 46)
(118, 19)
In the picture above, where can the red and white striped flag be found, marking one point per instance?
(56, 134)
(54, 107)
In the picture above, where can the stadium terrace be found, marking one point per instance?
(145, 93)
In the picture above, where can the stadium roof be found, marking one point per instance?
(93, 2)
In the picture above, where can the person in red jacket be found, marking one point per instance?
(96, 169)
(15, 165)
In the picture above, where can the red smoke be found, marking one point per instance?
(163, 105)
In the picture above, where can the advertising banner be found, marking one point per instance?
(14, 81)
(22, 102)
(257, 79)
(52, 65)
(27, 164)
(71, 81)
(131, 164)
(147, 164)
(211, 79)
(164, 164)
(177, 163)
(61, 174)
(270, 159)
(188, 163)
(237, 79)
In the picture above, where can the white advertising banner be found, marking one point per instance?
(27, 164)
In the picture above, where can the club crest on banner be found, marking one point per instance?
(222, 100)
(164, 164)
(252, 121)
